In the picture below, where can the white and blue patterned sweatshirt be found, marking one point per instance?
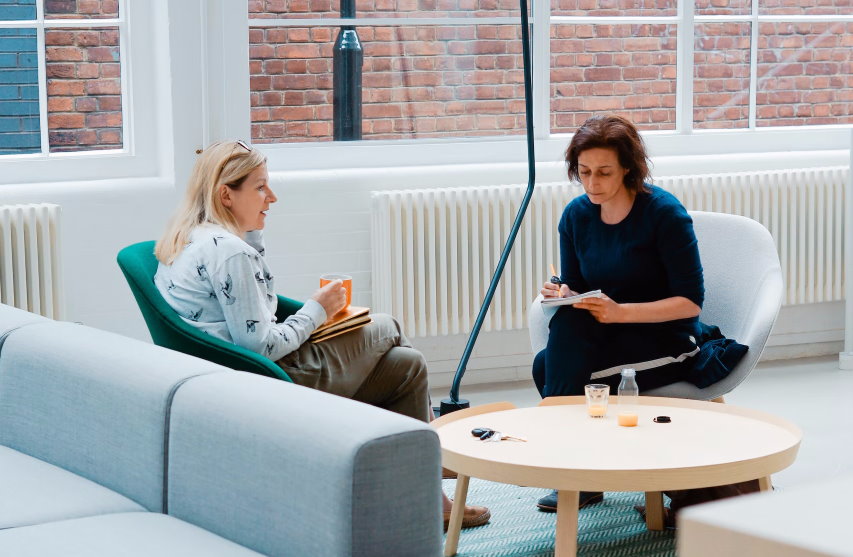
(221, 284)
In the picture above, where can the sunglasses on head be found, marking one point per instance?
(237, 142)
(240, 143)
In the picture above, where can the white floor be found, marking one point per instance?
(812, 393)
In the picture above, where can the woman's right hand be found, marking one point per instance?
(551, 290)
(333, 297)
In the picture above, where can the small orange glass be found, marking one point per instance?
(596, 399)
(627, 419)
(347, 283)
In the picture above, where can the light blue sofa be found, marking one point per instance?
(111, 446)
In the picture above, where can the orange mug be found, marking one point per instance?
(347, 283)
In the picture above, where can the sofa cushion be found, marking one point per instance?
(11, 318)
(93, 403)
(125, 534)
(287, 470)
(34, 492)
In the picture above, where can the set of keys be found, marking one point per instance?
(491, 435)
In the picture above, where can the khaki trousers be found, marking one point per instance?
(375, 364)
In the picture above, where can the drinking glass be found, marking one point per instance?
(596, 399)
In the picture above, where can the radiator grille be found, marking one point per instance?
(30, 276)
(434, 250)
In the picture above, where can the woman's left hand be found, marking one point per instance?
(603, 309)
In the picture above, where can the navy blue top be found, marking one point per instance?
(650, 255)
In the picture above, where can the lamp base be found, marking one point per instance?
(845, 361)
(448, 405)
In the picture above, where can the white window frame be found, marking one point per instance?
(139, 34)
(683, 141)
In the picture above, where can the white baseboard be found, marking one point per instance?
(807, 350)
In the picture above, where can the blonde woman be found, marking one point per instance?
(213, 274)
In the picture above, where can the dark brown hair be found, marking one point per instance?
(616, 133)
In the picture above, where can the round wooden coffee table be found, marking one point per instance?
(706, 444)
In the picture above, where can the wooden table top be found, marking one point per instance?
(705, 444)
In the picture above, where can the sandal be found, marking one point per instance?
(473, 516)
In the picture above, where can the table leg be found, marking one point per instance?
(455, 525)
(654, 510)
(566, 544)
(765, 484)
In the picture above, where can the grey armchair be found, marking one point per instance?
(743, 293)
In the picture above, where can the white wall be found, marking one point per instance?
(333, 206)
(97, 221)
(321, 222)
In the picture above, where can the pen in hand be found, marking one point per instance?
(550, 292)
(554, 278)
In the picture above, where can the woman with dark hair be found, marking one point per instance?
(634, 242)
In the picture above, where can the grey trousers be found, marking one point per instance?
(375, 364)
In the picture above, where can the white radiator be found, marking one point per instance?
(30, 271)
(434, 250)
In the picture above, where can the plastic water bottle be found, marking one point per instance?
(628, 400)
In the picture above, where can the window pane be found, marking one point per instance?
(302, 9)
(627, 69)
(805, 7)
(805, 74)
(80, 9)
(427, 82)
(721, 76)
(723, 7)
(613, 7)
(17, 10)
(83, 89)
(19, 105)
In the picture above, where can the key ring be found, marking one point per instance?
(491, 435)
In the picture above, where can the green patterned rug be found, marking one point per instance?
(518, 529)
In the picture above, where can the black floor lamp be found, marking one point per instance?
(454, 403)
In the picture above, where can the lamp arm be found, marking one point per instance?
(454, 403)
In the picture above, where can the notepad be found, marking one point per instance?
(347, 327)
(569, 300)
(346, 320)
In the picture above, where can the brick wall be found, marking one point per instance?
(90, 9)
(303, 9)
(721, 76)
(83, 79)
(626, 69)
(19, 112)
(83, 88)
(450, 81)
(446, 81)
(417, 82)
(805, 74)
(16, 10)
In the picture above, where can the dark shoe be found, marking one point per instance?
(668, 516)
(448, 474)
(548, 503)
(473, 516)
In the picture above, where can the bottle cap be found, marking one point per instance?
(628, 372)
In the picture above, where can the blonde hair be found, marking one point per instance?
(224, 162)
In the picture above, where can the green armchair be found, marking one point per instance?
(167, 329)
